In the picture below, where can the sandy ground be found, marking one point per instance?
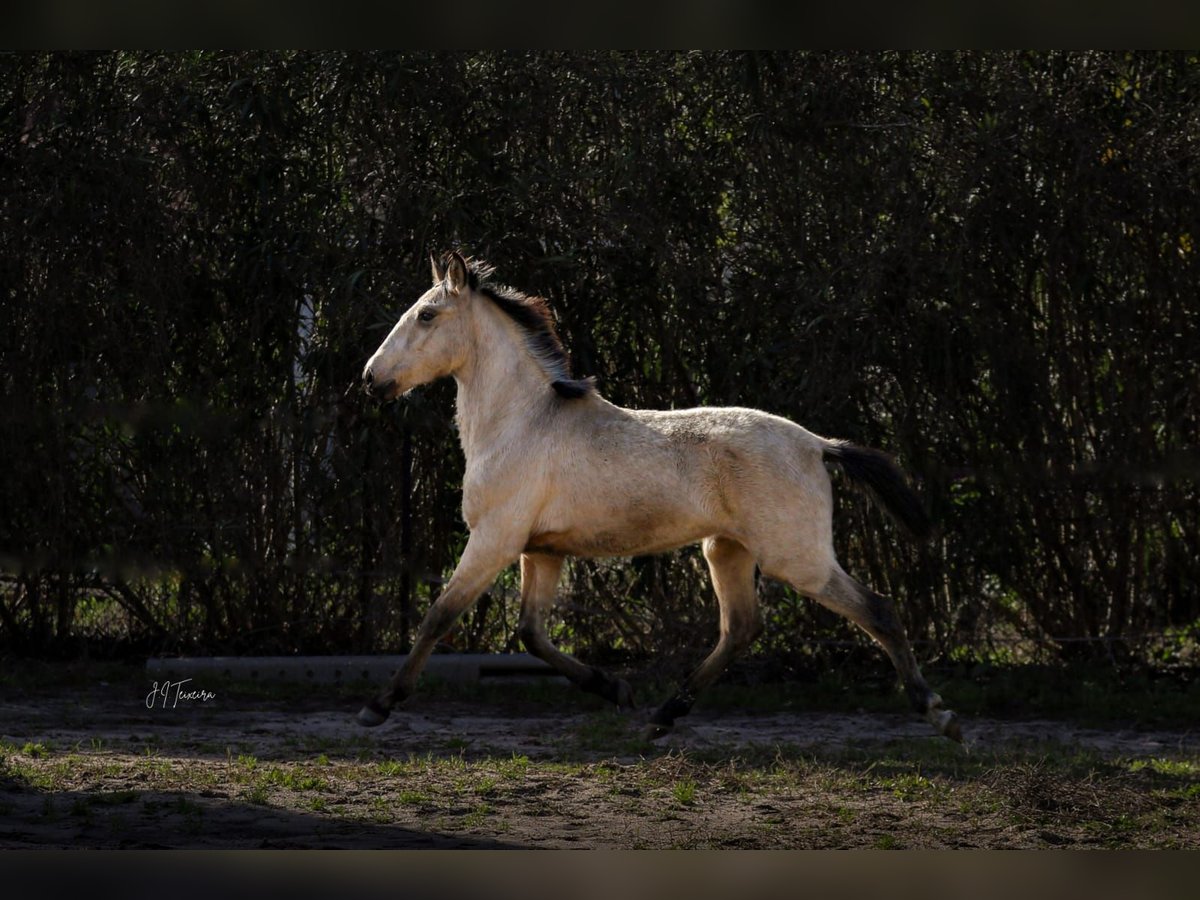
(96, 768)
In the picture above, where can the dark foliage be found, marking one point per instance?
(982, 264)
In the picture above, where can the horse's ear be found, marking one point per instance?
(456, 273)
(439, 272)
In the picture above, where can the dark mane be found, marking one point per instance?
(533, 317)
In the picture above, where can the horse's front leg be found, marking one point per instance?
(486, 554)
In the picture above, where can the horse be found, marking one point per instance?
(555, 470)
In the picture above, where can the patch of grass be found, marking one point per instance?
(886, 842)
(1191, 792)
(36, 751)
(257, 794)
(684, 792)
(476, 816)
(293, 779)
(1179, 768)
(35, 776)
(1100, 801)
(517, 766)
(390, 768)
(912, 786)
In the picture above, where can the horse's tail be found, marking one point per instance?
(879, 472)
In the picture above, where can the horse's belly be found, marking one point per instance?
(627, 539)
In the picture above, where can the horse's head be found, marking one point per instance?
(431, 338)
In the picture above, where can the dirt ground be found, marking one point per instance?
(94, 767)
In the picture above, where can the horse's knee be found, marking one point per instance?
(439, 620)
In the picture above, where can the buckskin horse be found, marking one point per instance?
(555, 470)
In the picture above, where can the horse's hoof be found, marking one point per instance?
(946, 723)
(371, 715)
(654, 731)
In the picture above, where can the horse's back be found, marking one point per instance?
(760, 433)
(637, 481)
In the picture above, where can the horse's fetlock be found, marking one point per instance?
(615, 690)
(922, 699)
(679, 705)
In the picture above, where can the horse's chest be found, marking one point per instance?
(487, 492)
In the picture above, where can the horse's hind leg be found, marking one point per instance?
(732, 568)
(876, 615)
(539, 581)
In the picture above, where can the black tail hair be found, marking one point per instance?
(883, 477)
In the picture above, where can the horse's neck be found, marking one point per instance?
(500, 391)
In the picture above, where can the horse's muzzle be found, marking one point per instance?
(380, 390)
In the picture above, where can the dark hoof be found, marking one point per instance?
(654, 731)
(372, 715)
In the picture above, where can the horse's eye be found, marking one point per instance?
(426, 315)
